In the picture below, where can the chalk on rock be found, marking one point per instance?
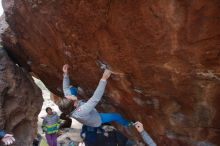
(138, 90)
(67, 53)
(43, 65)
(59, 89)
(34, 6)
(80, 91)
(29, 62)
(102, 65)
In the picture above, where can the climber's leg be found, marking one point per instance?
(110, 117)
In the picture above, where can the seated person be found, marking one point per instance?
(90, 135)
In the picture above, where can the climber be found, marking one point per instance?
(147, 139)
(112, 136)
(85, 112)
(51, 125)
(7, 139)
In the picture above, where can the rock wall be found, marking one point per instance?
(20, 102)
(166, 54)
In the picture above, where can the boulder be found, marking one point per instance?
(20, 101)
(165, 55)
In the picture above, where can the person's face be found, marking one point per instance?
(71, 97)
(49, 111)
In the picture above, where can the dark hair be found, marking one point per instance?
(48, 108)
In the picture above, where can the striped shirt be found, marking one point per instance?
(51, 123)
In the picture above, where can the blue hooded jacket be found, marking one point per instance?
(2, 133)
(91, 133)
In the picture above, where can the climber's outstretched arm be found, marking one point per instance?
(66, 80)
(94, 100)
(146, 137)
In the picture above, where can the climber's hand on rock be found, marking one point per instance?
(106, 74)
(65, 68)
(139, 126)
(8, 139)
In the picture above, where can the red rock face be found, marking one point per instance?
(20, 102)
(167, 54)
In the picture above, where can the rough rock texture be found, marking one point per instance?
(167, 54)
(20, 102)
